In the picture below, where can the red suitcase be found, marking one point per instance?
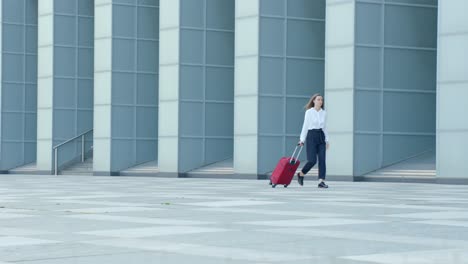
(285, 170)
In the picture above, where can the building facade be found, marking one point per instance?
(193, 87)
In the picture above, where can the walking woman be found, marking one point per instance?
(315, 135)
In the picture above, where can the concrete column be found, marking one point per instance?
(18, 78)
(246, 90)
(196, 84)
(126, 81)
(65, 79)
(169, 30)
(339, 86)
(380, 83)
(287, 57)
(452, 92)
(45, 85)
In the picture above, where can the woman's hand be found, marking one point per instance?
(300, 143)
(328, 145)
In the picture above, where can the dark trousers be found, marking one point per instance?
(316, 147)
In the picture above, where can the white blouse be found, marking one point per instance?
(314, 119)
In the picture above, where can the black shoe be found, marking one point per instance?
(300, 179)
(322, 185)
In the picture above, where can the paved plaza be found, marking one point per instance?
(85, 219)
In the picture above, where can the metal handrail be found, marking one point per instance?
(55, 148)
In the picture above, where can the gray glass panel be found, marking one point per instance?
(192, 159)
(191, 82)
(85, 120)
(270, 151)
(219, 84)
(295, 115)
(218, 149)
(124, 21)
(398, 148)
(85, 94)
(31, 11)
(14, 71)
(65, 6)
(410, 69)
(146, 150)
(13, 11)
(409, 112)
(31, 68)
(411, 26)
(192, 13)
(307, 8)
(272, 75)
(123, 122)
(272, 7)
(368, 111)
(271, 36)
(123, 55)
(12, 97)
(30, 151)
(368, 23)
(123, 154)
(146, 122)
(14, 38)
(85, 63)
(64, 93)
(31, 98)
(123, 88)
(190, 119)
(366, 153)
(129, 2)
(219, 48)
(64, 124)
(147, 93)
(219, 121)
(190, 41)
(15, 154)
(304, 76)
(86, 7)
(65, 62)
(306, 38)
(14, 131)
(219, 14)
(368, 67)
(30, 127)
(148, 56)
(65, 30)
(418, 2)
(85, 31)
(31, 39)
(271, 115)
(149, 3)
(148, 22)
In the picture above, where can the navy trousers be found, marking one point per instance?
(316, 147)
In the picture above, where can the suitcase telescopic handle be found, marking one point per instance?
(299, 153)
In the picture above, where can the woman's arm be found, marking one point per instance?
(305, 128)
(325, 131)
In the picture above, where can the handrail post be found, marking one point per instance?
(82, 147)
(55, 161)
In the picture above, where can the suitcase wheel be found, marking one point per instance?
(286, 186)
(271, 182)
(273, 185)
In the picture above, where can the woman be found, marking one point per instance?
(315, 135)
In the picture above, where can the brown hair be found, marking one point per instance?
(311, 103)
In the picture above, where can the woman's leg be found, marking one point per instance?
(322, 166)
(311, 149)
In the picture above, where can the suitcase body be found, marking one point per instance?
(285, 170)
